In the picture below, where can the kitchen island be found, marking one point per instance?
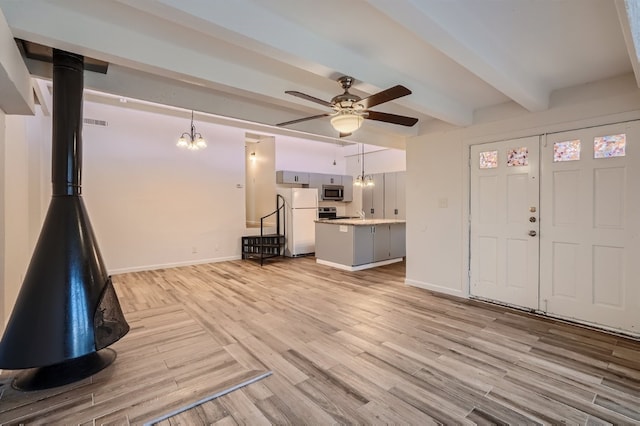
(356, 244)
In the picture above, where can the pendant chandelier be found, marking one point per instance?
(362, 179)
(193, 140)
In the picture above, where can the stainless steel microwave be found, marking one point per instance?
(332, 192)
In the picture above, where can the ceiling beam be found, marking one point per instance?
(448, 27)
(16, 90)
(270, 34)
(629, 17)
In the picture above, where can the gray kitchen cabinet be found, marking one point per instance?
(332, 179)
(355, 245)
(394, 195)
(287, 176)
(401, 198)
(373, 198)
(347, 183)
(397, 240)
(316, 180)
(381, 240)
(335, 243)
(362, 245)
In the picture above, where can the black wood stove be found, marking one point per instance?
(67, 311)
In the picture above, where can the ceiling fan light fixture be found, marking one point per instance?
(347, 121)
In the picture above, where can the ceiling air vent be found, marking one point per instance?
(95, 122)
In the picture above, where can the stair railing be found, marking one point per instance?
(280, 204)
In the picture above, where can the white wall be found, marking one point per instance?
(307, 156)
(16, 248)
(377, 160)
(438, 175)
(3, 138)
(154, 205)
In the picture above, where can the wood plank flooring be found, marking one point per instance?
(361, 347)
(167, 361)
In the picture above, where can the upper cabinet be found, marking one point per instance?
(394, 195)
(286, 176)
(316, 180)
(347, 182)
(386, 199)
(373, 198)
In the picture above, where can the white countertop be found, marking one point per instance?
(360, 222)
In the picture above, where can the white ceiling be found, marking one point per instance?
(236, 58)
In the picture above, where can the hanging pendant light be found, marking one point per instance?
(193, 140)
(362, 179)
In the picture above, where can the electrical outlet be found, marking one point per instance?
(194, 250)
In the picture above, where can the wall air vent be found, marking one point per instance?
(95, 122)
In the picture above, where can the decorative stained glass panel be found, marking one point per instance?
(489, 159)
(566, 151)
(609, 146)
(518, 157)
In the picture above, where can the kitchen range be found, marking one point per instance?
(331, 213)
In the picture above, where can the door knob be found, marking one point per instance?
(532, 219)
(532, 233)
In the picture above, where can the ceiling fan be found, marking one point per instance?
(349, 110)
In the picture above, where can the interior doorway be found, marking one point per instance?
(260, 179)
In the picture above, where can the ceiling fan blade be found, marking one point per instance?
(309, 98)
(300, 120)
(392, 118)
(394, 92)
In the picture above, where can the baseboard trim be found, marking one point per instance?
(359, 267)
(172, 265)
(436, 288)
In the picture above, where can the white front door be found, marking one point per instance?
(590, 232)
(504, 221)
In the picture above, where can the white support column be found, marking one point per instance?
(15, 81)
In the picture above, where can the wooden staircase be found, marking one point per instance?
(266, 246)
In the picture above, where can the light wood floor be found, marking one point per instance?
(361, 347)
(170, 359)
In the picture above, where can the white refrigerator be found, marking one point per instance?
(301, 206)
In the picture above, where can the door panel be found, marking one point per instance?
(590, 245)
(504, 191)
